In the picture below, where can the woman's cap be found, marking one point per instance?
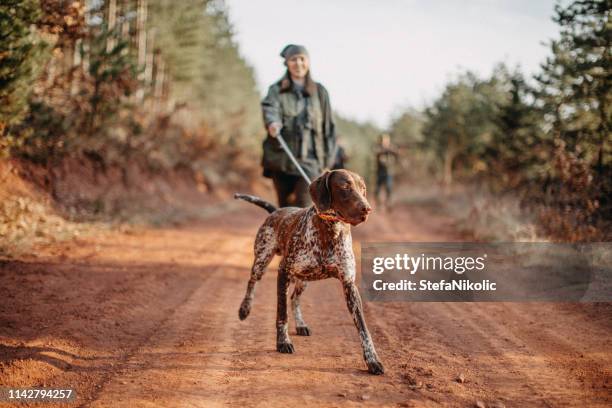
(293, 49)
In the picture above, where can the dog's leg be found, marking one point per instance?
(265, 246)
(283, 343)
(353, 301)
(300, 325)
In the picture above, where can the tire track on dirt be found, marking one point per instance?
(541, 369)
(126, 359)
(509, 353)
(465, 347)
(561, 353)
(121, 298)
(185, 362)
(135, 381)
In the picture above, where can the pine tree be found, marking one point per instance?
(575, 82)
(574, 94)
(19, 50)
(515, 151)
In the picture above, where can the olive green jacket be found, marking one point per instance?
(308, 127)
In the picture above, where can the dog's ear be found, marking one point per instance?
(320, 193)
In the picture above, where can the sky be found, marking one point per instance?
(378, 58)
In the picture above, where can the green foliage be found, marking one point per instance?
(551, 141)
(460, 125)
(407, 129)
(61, 122)
(417, 162)
(180, 33)
(574, 86)
(19, 52)
(519, 150)
(576, 100)
(196, 39)
(358, 140)
(88, 107)
(112, 71)
(46, 133)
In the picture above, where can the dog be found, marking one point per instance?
(314, 243)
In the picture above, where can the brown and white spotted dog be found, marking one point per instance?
(314, 243)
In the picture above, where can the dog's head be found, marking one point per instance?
(341, 195)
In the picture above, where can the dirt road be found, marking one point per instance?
(149, 318)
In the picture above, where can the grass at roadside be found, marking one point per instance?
(477, 213)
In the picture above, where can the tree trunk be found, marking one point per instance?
(94, 107)
(111, 22)
(125, 25)
(158, 87)
(76, 64)
(604, 133)
(148, 71)
(449, 157)
(141, 22)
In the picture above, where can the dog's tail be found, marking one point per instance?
(257, 201)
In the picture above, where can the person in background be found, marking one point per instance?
(298, 108)
(386, 158)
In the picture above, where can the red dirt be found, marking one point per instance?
(150, 318)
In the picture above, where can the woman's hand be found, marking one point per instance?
(274, 129)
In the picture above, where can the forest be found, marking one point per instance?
(157, 85)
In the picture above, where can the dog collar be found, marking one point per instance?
(329, 215)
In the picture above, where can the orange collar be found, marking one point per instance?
(329, 215)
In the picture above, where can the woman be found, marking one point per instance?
(299, 109)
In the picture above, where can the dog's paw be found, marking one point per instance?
(375, 367)
(244, 311)
(302, 331)
(285, 348)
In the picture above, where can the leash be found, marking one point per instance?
(293, 160)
